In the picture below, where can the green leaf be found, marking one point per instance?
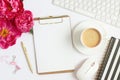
(31, 31)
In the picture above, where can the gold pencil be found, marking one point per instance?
(26, 56)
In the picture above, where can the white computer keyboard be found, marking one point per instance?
(107, 11)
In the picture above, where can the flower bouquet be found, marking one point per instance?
(14, 20)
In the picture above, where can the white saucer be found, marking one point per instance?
(76, 40)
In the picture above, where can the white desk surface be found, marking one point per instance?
(40, 8)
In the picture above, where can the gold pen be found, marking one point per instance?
(26, 56)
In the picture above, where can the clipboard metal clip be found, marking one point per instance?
(50, 20)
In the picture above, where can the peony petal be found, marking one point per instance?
(24, 22)
(8, 39)
(11, 8)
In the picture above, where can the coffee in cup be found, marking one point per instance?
(90, 37)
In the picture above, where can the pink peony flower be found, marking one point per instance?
(14, 20)
(24, 21)
(11, 8)
(8, 34)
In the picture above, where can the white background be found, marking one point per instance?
(40, 8)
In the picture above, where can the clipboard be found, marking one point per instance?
(54, 52)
